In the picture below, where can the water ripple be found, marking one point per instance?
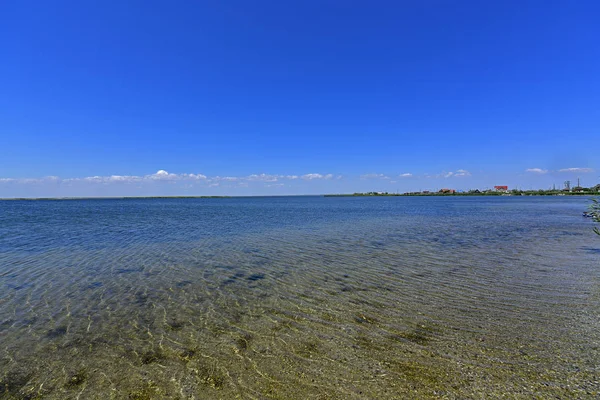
(298, 298)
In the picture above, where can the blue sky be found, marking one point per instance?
(279, 97)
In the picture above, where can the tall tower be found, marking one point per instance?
(568, 186)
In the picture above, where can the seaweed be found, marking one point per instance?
(210, 376)
(256, 277)
(151, 356)
(242, 343)
(187, 354)
(56, 332)
(14, 381)
(77, 379)
(175, 325)
(147, 392)
(364, 318)
(307, 348)
(421, 335)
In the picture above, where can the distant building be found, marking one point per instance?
(447, 191)
(501, 188)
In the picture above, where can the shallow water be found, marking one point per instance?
(300, 297)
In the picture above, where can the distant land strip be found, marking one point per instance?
(116, 198)
(366, 194)
(523, 193)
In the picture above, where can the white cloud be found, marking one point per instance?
(582, 170)
(226, 178)
(195, 177)
(374, 176)
(310, 177)
(116, 178)
(536, 170)
(46, 179)
(452, 174)
(160, 175)
(406, 175)
(119, 178)
(165, 176)
(264, 178)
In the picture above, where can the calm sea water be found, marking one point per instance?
(299, 297)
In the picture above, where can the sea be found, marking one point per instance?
(305, 297)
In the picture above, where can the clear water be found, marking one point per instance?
(300, 297)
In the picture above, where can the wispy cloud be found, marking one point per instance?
(452, 174)
(165, 176)
(264, 178)
(459, 173)
(374, 176)
(271, 178)
(545, 171)
(582, 170)
(406, 175)
(225, 178)
(160, 175)
(106, 179)
(536, 170)
(46, 179)
(310, 177)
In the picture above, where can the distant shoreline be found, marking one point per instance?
(302, 195)
(113, 198)
(436, 194)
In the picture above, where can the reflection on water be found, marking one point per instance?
(296, 298)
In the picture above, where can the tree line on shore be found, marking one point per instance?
(476, 192)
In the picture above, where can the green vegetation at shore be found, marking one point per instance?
(473, 193)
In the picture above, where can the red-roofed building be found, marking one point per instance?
(501, 188)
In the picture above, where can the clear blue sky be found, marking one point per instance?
(320, 96)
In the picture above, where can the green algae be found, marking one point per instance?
(208, 374)
(13, 381)
(148, 390)
(175, 325)
(76, 379)
(307, 349)
(243, 342)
